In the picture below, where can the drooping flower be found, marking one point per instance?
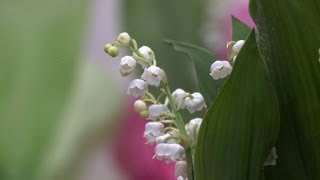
(124, 39)
(271, 159)
(195, 102)
(169, 152)
(157, 110)
(153, 75)
(220, 69)
(152, 131)
(193, 128)
(237, 46)
(137, 88)
(127, 65)
(140, 106)
(181, 169)
(179, 95)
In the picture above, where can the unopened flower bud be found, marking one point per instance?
(195, 102)
(140, 106)
(152, 131)
(179, 95)
(113, 51)
(181, 169)
(106, 47)
(193, 128)
(237, 46)
(169, 152)
(124, 39)
(146, 53)
(127, 65)
(153, 75)
(144, 114)
(137, 88)
(220, 69)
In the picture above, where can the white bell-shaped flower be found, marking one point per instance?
(271, 159)
(220, 69)
(169, 152)
(137, 88)
(146, 53)
(127, 65)
(152, 131)
(179, 95)
(181, 169)
(124, 39)
(195, 102)
(193, 128)
(139, 106)
(237, 46)
(156, 111)
(153, 75)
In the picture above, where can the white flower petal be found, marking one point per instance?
(193, 128)
(153, 75)
(220, 69)
(196, 103)
(238, 45)
(127, 65)
(146, 53)
(152, 131)
(137, 88)
(169, 152)
(157, 110)
(179, 95)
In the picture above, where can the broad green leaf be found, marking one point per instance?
(202, 60)
(289, 36)
(241, 126)
(240, 30)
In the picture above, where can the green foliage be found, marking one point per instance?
(241, 126)
(202, 60)
(240, 30)
(289, 36)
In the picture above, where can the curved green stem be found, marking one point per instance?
(181, 127)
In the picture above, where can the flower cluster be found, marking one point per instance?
(222, 68)
(173, 139)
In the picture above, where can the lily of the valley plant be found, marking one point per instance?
(174, 141)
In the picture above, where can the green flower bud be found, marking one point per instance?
(144, 114)
(107, 47)
(113, 51)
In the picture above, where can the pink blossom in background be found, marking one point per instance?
(218, 28)
(134, 156)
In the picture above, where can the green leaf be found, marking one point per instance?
(240, 30)
(202, 60)
(289, 36)
(241, 127)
